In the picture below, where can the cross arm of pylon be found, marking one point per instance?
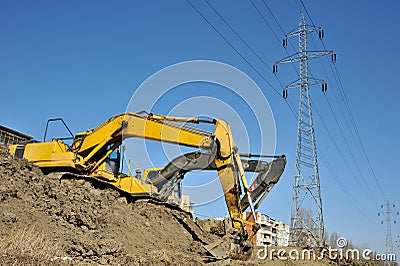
(309, 29)
(311, 82)
(298, 56)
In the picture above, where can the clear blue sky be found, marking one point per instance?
(83, 60)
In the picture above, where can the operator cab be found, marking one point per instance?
(113, 162)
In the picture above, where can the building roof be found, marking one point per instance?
(14, 132)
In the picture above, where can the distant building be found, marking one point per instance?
(181, 200)
(271, 233)
(186, 204)
(9, 136)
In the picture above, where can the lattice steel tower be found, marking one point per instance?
(306, 228)
(388, 211)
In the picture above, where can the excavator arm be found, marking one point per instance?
(167, 129)
(90, 146)
(268, 174)
(90, 149)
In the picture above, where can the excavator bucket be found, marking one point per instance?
(233, 245)
(230, 246)
(269, 174)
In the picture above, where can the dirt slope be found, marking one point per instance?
(94, 224)
(45, 220)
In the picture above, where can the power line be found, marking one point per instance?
(349, 149)
(337, 99)
(338, 124)
(337, 83)
(308, 15)
(283, 32)
(350, 113)
(290, 104)
(341, 90)
(342, 133)
(240, 37)
(233, 47)
(266, 22)
(326, 162)
(340, 152)
(273, 16)
(291, 44)
(342, 186)
(359, 137)
(298, 6)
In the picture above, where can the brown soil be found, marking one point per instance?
(94, 224)
(45, 219)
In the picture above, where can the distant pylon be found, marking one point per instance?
(388, 211)
(305, 228)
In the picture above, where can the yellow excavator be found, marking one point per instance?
(95, 154)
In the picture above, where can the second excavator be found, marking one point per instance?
(94, 154)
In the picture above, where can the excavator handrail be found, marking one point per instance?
(63, 122)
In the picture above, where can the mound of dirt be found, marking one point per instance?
(59, 219)
(93, 224)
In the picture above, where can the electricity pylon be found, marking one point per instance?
(305, 228)
(388, 211)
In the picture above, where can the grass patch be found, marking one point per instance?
(27, 246)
